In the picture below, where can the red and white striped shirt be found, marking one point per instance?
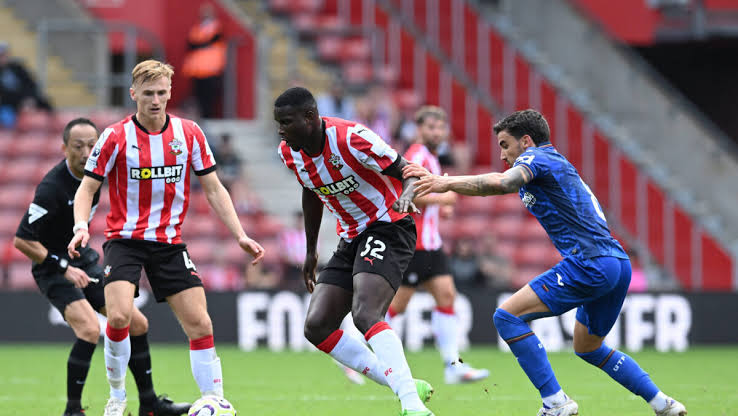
(427, 221)
(347, 176)
(149, 176)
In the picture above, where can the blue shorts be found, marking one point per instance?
(595, 286)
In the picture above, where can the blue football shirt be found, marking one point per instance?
(565, 206)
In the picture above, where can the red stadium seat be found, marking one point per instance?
(329, 47)
(9, 221)
(312, 24)
(534, 254)
(357, 72)
(34, 120)
(16, 197)
(508, 205)
(474, 205)
(506, 228)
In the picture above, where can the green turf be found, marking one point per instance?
(32, 382)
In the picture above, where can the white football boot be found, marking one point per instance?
(673, 408)
(567, 409)
(460, 372)
(115, 407)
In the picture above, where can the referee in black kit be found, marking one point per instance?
(75, 287)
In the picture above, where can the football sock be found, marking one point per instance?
(140, 365)
(659, 402)
(206, 366)
(388, 349)
(556, 399)
(117, 354)
(443, 325)
(529, 351)
(77, 366)
(623, 369)
(354, 354)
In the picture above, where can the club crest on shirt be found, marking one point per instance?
(175, 147)
(335, 161)
(529, 200)
(106, 271)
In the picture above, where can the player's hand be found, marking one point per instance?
(308, 271)
(432, 184)
(405, 205)
(77, 276)
(252, 247)
(80, 239)
(413, 169)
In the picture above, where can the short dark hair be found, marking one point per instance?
(75, 122)
(529, 122)
(429, 111)
(297, 97)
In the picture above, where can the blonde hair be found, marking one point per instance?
(427, 111)
(150, 70)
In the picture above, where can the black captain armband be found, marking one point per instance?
(52, 262)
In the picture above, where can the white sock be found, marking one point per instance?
(556, 399)
(117, 354)
(445, 328)
(354, 354)
(388, 349)
(659, 402)
(348, 327)
(206, 367)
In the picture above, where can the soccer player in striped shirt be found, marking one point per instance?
(593, 276)
(351, 171)
(429, 266)
(147, 159)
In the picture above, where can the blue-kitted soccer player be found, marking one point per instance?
(593, 276)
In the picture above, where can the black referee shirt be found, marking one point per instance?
(50, 217)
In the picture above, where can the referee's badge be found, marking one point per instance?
(176, 147)
(106, 271)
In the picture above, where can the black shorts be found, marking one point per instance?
(61, 292)
(424, 266)
(384, 248)
(168, 266)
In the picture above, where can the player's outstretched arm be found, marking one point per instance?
(405, 202)
(312, 208)
(220, 200)
(494, 183)
(82, 207)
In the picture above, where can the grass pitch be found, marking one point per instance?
(260, 383)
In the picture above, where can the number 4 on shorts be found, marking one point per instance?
(188, 261)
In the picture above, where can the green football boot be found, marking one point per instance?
(416, 413)
(425, 392)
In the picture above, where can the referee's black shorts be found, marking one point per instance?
(61, 292)
(168, 266)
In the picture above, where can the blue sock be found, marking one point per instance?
(623, 369)
(529, 351)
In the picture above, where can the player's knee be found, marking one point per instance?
(89, 331)
(199, 327)
(445, 297)
(315, 330)
(118, 318)
(139, 324)
(506, 323)
(364, 320)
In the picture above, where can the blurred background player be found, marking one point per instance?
(593, 276)
(429, 265)
(357, 176)
(154, 153)
(74, 287)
